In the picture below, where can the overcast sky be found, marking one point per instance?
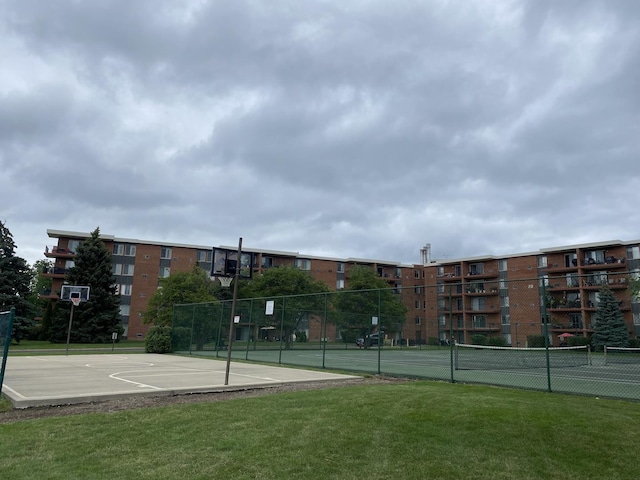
(334, 128)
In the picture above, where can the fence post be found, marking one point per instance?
(380, 340)
(545, 321)
(281, 331)
(324, 331)
(451, 341)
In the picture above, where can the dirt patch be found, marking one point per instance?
(133, 402)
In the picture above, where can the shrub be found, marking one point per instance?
(433, 341)
(535, 341)
(497, 342)
(578, 341)
(158, 340)
(634, 343)
(180, 338)
(478, 339)
(301, 336)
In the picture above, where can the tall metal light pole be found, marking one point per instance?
(233, 311)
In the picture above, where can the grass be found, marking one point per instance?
(411, 430)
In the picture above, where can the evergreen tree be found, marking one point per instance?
(93, 321)
(15, 281)
(609, 327)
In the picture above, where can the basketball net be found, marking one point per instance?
(75, 301)
(225, 281)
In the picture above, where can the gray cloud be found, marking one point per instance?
(331, 128)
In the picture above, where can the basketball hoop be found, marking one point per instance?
(225, 281)
(76, 301)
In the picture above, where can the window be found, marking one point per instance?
(479, 321)
(417, 303)
(120, 269)
(398, 273)
(267, 262)
(575, 320)
(506, 319)
(124, 310)
(204, 255)
(73, 245)
(124, 289)
(572, 280)
(165, 252)
(442, 320)
(417, 290)
(418, 321)
(441, 303)
(476, 269)
(303, 263)
(441, 288)
(340, 284)
(504, 301)
(340, 267)
(478, 303)
(164, 272)
(632, 252)
(440, 272)
(570, 260)
(636, 318)
(594, 257)
(502, 265)
(130, 250)
(542, 261)
(118, 249)
(544, 281)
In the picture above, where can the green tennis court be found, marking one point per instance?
(588, 376)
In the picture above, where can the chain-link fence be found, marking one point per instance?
(530, 333)
(6, 326)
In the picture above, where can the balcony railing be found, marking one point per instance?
(50, 271)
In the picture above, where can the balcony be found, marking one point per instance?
(49, 293)
(609, 262)
(54, 272)
(58, 252)
(484, 274)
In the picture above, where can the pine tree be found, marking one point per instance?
(93, 321)
(610, 329)
(15, 282)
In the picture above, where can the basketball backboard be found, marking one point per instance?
(225, 261)
(74, 291)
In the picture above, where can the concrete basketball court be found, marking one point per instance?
(61, 380)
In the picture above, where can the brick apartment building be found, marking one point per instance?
(139, 264)
(508, 297)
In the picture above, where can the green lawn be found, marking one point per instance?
(400, 431)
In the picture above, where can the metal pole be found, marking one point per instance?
(281, 331)
(233, 311)
(379, 331)
(69, 329)
(324, 331)
(451, 332)
(546, 331)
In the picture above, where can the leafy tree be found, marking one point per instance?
(301, 301)
(190, 287)
(15, 281)
(193, 286)
(610, 329)
(93, 321)
(367, 296)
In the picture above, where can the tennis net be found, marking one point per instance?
(481, 357)
(621, 355)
